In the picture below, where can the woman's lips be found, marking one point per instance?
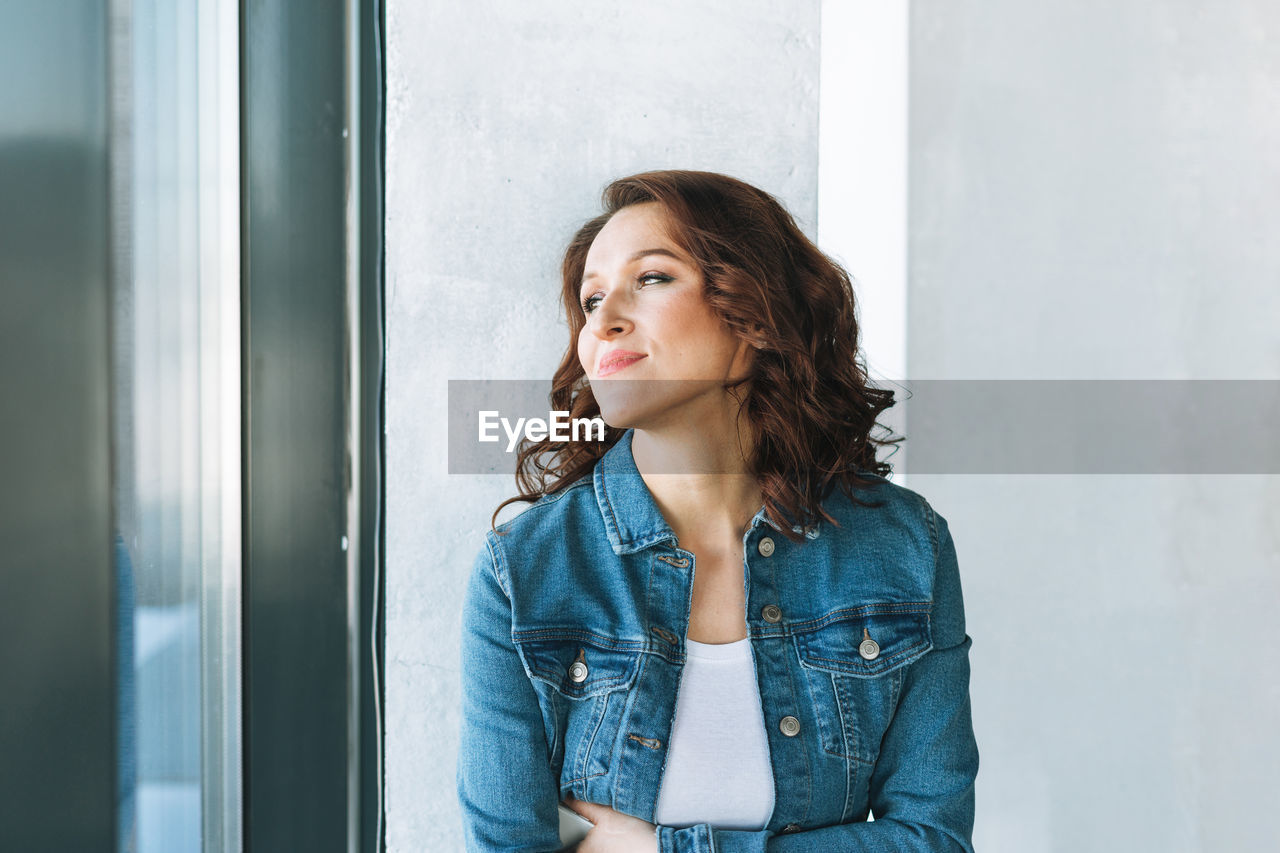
(617, 363)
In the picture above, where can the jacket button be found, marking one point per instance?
(868, 648)
(766, 547)
(789, 726)
(578, 672)
(771, 613)
(791, 827)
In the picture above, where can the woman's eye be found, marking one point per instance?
(589, 304)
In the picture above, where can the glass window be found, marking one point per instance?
(176, 421)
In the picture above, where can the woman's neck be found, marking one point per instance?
(700, 480)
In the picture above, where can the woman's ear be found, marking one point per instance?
(744, 359)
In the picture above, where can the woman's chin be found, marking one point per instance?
(623, 404)
(620, 418)
(635, 403)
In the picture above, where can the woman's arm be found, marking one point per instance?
(922, 787)
(506, 788)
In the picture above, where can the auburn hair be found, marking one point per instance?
(807, 395)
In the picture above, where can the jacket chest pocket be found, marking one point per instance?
(582, 681)
(853, 664)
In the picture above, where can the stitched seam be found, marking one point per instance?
(883, 659)
(554, 677)
(544, 501)
(808, 793)
(817, 710)
(930, 517)
(853, 758)
(583, 750)
(497, 558)
(617, 756)
(850, 749)
(814, 703)
(555, 727)
(673, 655)
(578, 634)
(851, 755)
(772, 569)
(864, 610)
(894, 694)
(612, 520)
(846, 666)
(589, 747)
(651, 539)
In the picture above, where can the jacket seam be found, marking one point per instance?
(496, 558)
(931, 519)
(555, 679)
(590, 746)
(579, 634)
(868, 670)
(545, 501)
(611, 519)
(862, 610)
(849, 757)
(798, 704)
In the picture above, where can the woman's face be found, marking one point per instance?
(652, 347)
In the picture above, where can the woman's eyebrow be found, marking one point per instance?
(640, 254)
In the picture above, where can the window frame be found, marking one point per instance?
(312, 362)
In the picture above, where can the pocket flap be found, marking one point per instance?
(578, 664)
(898, 635)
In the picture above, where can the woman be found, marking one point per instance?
(721, 628)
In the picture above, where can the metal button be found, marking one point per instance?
(766, 547)
(791, 827)
(789, 726)
(771, 613)
(868, 648)
(578, 672)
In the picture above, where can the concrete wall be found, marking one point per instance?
(1094, 191)
(505, 120)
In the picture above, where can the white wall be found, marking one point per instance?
(1094, 192)
(1093, 189)
(505, 120)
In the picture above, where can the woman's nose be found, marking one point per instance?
(610, 317)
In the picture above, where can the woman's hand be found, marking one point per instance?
(614, 832)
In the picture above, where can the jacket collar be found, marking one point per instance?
(632, 519)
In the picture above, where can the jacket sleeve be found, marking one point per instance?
(506, 789)
(922, 786)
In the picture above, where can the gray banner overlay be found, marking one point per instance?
(968, 426)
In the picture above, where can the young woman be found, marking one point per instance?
(722, 628)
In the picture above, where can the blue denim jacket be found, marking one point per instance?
(573, 639)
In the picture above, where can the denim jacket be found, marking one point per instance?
(573, 641)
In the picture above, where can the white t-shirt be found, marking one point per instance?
(718, 768)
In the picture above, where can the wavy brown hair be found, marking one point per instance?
(807, 396)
